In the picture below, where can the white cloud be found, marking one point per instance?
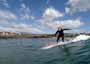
(4, 3)
(18, 27)
(47, 1)
(49, 16)
(25, 12)
(51, 13)
(26, 28)
(8, 18)
(23, 5)
(67, 10)
(64, 24)
(72, 23)
(78, 6)
(7, 15)
(7, 29)
(26, 16)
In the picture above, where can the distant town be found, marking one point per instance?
(7, 34)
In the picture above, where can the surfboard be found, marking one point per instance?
(76, 39)
(55, 44)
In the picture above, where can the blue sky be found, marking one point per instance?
(44, 16)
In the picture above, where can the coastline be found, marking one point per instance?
(33, 36)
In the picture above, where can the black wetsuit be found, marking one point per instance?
(60, 33)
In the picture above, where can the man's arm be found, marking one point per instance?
(56, 33)
(67, 29)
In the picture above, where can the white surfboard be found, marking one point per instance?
(56, 44)
(78, 38)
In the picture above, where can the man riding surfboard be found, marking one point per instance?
(60, 33)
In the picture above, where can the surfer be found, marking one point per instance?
(60, 34)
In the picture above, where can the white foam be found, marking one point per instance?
(81, 37)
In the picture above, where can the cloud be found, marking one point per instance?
(7, 29)
(51, 13)
(25, 12)
(7, 15)
(26, 16)
(23, 5)
(64, 24)
(47, 1)
(49, 20)
(21, 27)
(4, 3)
(71, 23)
(77, 6)
(8, 21)
(6, 25)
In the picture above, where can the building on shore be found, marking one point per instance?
(5, 33)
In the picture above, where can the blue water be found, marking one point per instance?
(27, 51)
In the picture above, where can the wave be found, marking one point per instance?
(76, 39)
(81, 37)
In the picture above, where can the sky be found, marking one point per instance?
(44, 16)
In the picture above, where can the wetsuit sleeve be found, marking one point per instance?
(56, 33)
(66, 29)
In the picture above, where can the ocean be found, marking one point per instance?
(27, 51)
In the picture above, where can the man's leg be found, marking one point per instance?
(63, 38)
(58, 38)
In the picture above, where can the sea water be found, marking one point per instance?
(27, 51)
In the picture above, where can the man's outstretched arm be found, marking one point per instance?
(56, 33)
(67, 29)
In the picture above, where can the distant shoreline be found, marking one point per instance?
(34, 36)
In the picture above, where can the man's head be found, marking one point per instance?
(59, 28)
